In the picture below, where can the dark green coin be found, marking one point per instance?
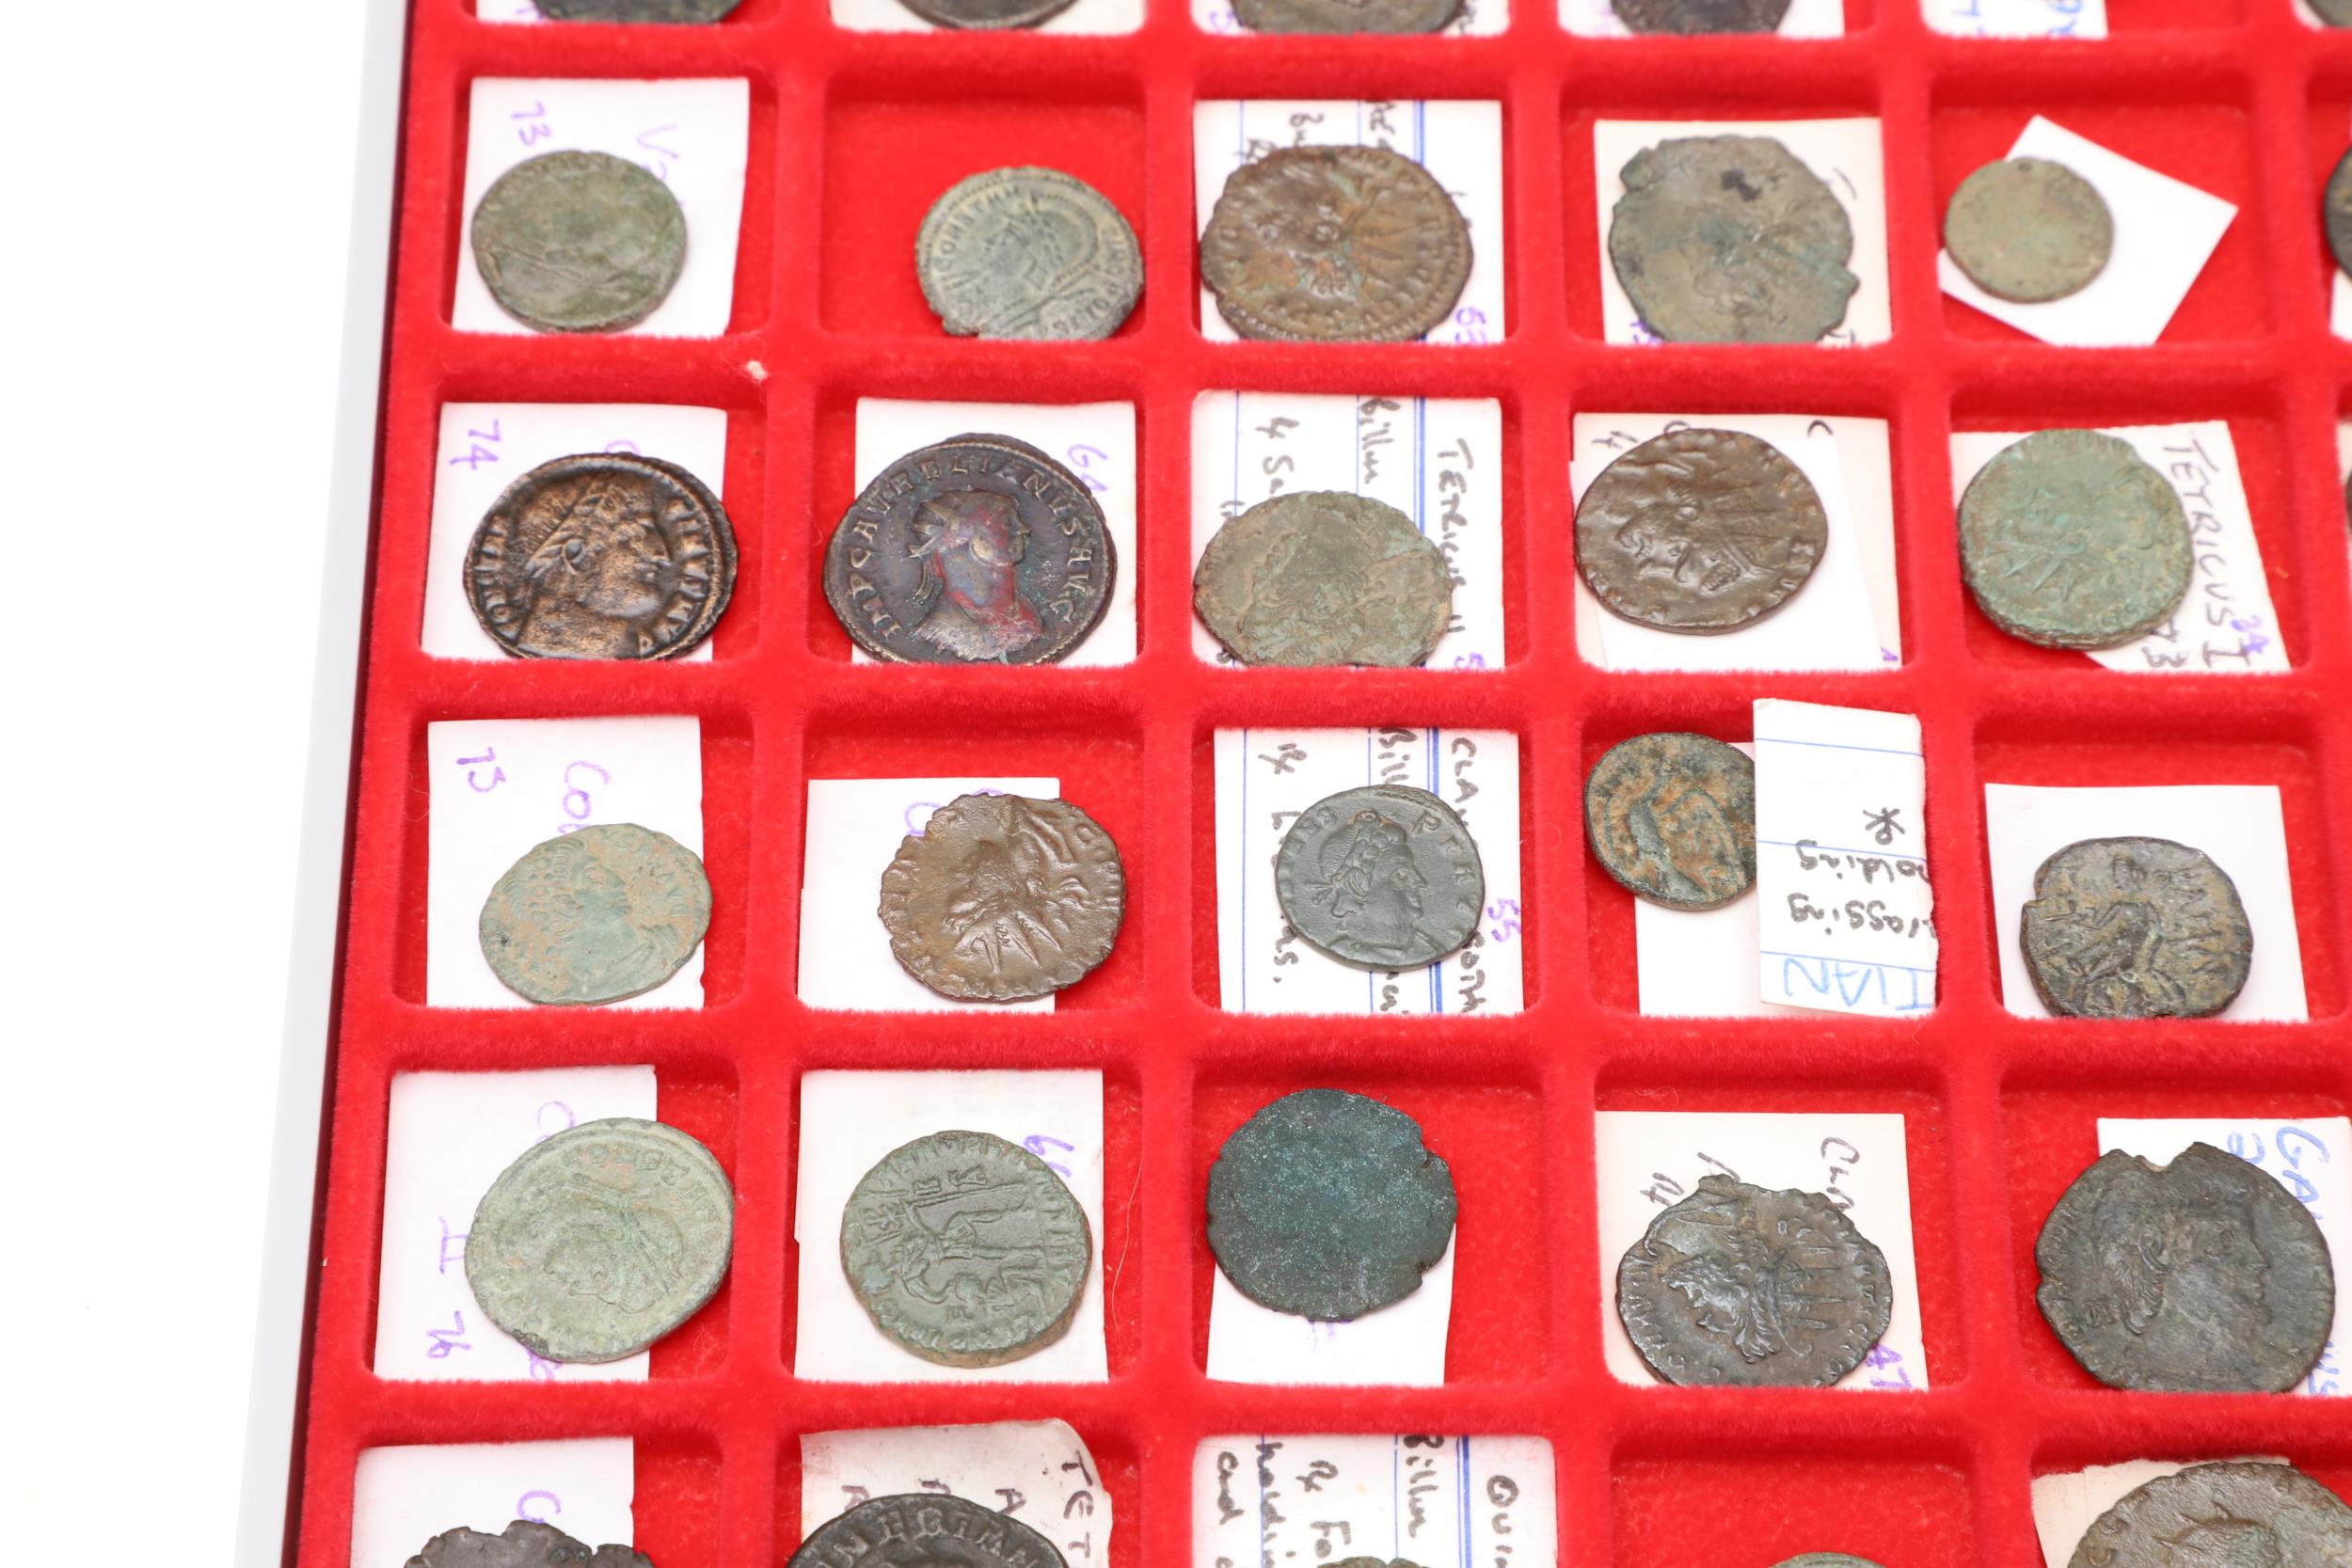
(1345, 16)
(1322, 578)
(671, 11)
(1693, 18)
(2135, 927)
(579, 242)
(1671, 817)
(1383, 878)
(606, 912)
(2336, 211)
(2028, 230)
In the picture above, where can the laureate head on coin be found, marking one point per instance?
(1345, 16)
(606, 912)
(1671, 818)
(524, 1544)
(1385, 877)
(1335, 245)
(925, 1530)
(1320, 578)
(2135, 927)
(2028, 230)
(1028, 253)
(671, 12)
(579, 242)
(976, 550)
(1691, 18)
(2240, 1512)
(600, 1240)
(966, 1250)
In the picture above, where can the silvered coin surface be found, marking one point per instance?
(985, 14)
(2225, 1516)
(1028, 253)
(966, 1250)
(2336, 209)
(1319, 576)
(579, 242)
(524, 1544)
(600, 1240)
(1335, 245)
(1384, 877)
(2028, 230)
(1671, 818)
(924, 1530)
(606, 912)
(1699, 531)
(1345, 16)
(1748, 1288)
(1690, 17)
(671, 11)
(2135, 927)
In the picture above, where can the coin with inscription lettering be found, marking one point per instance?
(668, 11)
(1699, 531)
(600, 1240)
(1320, 578)
(1690, 18)
(1384, 877)
(1731, 240)
(966, 1250)
(2241, 1511)
(2202, 1274)
(2068, 539)
(2028, 230)
(1028, 253)
(1345, 16)
(2336, 205)
(1328, 1205)
(925, 1530)
(2135, 927)
(1335, 245)
(986, 14)
(524, 1544)
(1742, 1287)
(579, 242)
(607, 911)
(1671, 818)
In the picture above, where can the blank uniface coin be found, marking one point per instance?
(2028, 230)
(1384, 877)
(2135, 927)
(1321, 577)
(1345, 16)
(1671, 818)
(606, 912)
(1028, 253)
(579, 242)
(2226, 1515)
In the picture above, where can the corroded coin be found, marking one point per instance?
(2336, 209)
(608, 911)
(1028, 253)
(1746, 1288)
(2204, 1273)
(1345, 16)
(2068, 539)
(1385, 877)
(1321, 576)
(524, 1544)
(601, 555)
(600, 1240)
(2334, 14)
(1671, 818)
(986, 14)
(978, 550)
(1731, 240)
(1327, 1204)
(1825, 1560)
(1699, 531)
(2135, 927)
(673, 11)
(1688, 18)
(1001, 897)
(924, 1530)
(966, 1250)
(2028, 230)
(579, 242)
(2240, 1512)
(1335, 245)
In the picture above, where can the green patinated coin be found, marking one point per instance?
(2135, 927)
(2028, 230)
(1328, 1205)
(524, 1544)
(1028, 253)
(1345, 16)
(1383, 878)
(2068, 539)
(670, 11)
(1692, 18)
(1671, 818)
(593, 916)
(1322, 578)
(579, 242)
(2243, 1513)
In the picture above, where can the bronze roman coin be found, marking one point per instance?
(2028, 230)
(1671, 818)
(2334, 14)
(1385, 877)
(1028, 253)
(671, 11)
(925, 1530)
(524, 1544)
(607, 911)
(2135, 927)
(2336, 208)
(1320, 578)
(2241, 1511)
(579, 242)
(986, 14)
(1688, 17)
(1345, 16)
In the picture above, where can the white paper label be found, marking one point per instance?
(1401, 1344)
(1037, 1472)
(2017, 19)
(401, 1497)
(1470, 1501)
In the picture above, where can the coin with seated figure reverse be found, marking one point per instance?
(1028, 253)
(1321, 577)
(1699, 531)
(2239, 1513)
(1384, 877)
(966, 1250)
(1742, 1287)
(924, 1530)
(1345, 16)
(1671, 818)
(1328, 1205)
(2135, 927)
(2205, 1275)
(524, 1544)
(1335, 245)
(982, 15)
(672, 12)
(600, 1240)
(579, 242)
(1692, 18)
(2028, 230)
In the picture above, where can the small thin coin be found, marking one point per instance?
(1385, 877)
(2069, 540)
(1328, 1205)
(600, 1240)
(524, 1544)
(2336, 209)
(1323, 578)
(1742, 1287)
(1028, 253)
(1335, 245)
(1671, 818)
(1699, 531)
(965, 1250)
(2243, 1511)
(579, 242)
(606, 912)
(674, 12)
(925, 1530)
(1691, 18)
(2135, 927)
(2028, 230)
(1345, 16)
(2202, 1274)
(986, 14)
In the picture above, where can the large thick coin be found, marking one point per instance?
(2068, 539)
(601, 555)
(2028, 230)
(1321, 576)
(1745, 1288)
(1335, 245)
(1001, 897)
(985, 14)
(605, 912)
(524, 1544)
(2135, 927)
(1699, 531)
(924, 1530)
(1731, 240)
(2240, 1512)
(600, 1240)
(1385, 877)
(1028, 253)
(2204, 1273)
(2336, 209)
(978, 550)
(579, 242)
(1345, 16)
(966, 1250)
(1688, 17)
(673, 11)
(1328, 1205)
(1671, 818)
